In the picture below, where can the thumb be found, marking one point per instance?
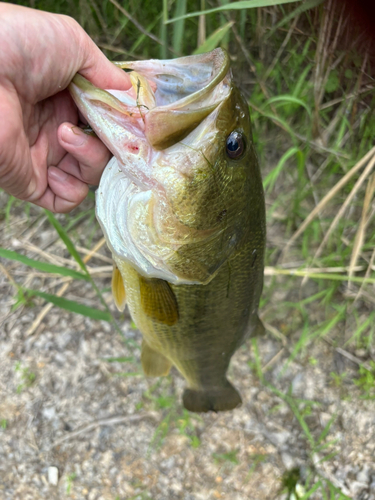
(98, 69)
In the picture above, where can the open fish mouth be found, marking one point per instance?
(168, 99)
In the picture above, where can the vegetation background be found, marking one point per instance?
(306, 70)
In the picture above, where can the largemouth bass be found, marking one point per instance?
(182, 209)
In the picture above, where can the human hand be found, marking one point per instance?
(44, 157)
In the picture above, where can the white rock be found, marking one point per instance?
(49, 412)
(356, 488)
(53, 475)
(288, 461)
(279, 438)
(363, 475)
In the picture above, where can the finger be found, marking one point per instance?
(69, 191)
(89, 151)
(64, 191)
(16, 174)
(98, 69)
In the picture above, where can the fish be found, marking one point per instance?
(182, 209)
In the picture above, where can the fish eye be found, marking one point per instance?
(235, 145)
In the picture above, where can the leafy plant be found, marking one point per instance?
(366, 381)
(27, 377)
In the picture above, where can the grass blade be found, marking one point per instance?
(326, 429)
(178, 28)
(42, 266)
(8, 208)
(301, 420)
(311, 491)
(120, 359)
(293, 406)
(214, 39)
(250, 4)
(291, 100)
(282, 123)
(344, 206)
(65, 238)
(163, 31)
(309, 4)
(73, 252)
(332, 192)
(271, 178)
(274, 271)
(70, 305)
(143, 37)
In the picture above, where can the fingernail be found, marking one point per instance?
(73, 136)
(57, 175)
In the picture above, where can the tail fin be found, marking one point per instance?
(212, 399)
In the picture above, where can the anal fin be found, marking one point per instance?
(154, 364)
(118, 288)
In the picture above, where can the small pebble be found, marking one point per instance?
(53, 475)
(288, 461)
(356, 488)
(363, 475)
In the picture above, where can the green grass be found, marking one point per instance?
(366, 381)
(229, 457)
(69, 482)
(175, 419)
(27, 377)
(311, 126)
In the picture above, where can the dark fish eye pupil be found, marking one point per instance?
(235, 145)
(232, 144)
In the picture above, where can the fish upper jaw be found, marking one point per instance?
(119, 125)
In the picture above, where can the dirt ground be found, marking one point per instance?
(102, 431)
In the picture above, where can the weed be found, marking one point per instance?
(290, 480)
(229, 457)
(175, 418)
(338, 378)
(366, 381)
(313, 361)
(69, 482)
(256, 460)
(186, 426)
(27, 377)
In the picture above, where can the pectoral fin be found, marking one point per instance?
(158, 300)
(154, 364)
(118, 289)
